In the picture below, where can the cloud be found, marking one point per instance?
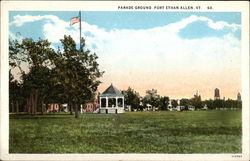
(20, 20)
(219, 25)
(157, 55)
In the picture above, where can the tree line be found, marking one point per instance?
(67, 75)
(137, 102)
(72, 76)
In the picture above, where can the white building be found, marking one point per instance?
(112, 101)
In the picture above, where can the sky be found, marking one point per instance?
(177, 53)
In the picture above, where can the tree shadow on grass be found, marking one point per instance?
(42, 118)
(47, 116)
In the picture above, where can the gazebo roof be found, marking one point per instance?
(111, 91)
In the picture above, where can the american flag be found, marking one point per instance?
(74, 20)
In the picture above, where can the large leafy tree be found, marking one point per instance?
(196, 101)
(33, 55)
(38, 78)
(37, 84)
(77, 71)
(70, 76)
(209, 103)
(15, 86)
(163, 103)
(15, 97)
(132, 98)
(151, 98)
(174, 103)
(185, 102)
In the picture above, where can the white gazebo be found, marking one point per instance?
(112, 101)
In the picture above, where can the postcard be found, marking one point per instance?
(125, 80)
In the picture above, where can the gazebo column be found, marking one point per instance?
(116, 102)
(107, 104)
(123, 102)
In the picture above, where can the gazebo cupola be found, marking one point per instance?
(111, 101)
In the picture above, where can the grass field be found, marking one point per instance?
(133, 132)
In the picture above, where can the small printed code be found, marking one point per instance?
(236, 156)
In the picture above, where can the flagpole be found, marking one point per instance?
(80, 19)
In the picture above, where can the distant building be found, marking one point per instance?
(92, 106)
(238, 97)
(216, 94)
(53, 107)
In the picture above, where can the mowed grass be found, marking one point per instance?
(132, 132)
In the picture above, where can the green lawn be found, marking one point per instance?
(133, 132)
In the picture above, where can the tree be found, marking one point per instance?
(15, 97)
(163, 103)
(35, 56)
(196, 101)
(151, 98)
(78, 72)
(185, 102)
(209, 103)
(38, 84)
(70, 76)
(15, 87)
(174, 103)
(132, 98)
(218, 103)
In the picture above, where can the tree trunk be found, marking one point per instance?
(28, 105)
(17, 107)
(12, 106)
(70, 108)
(25, 108)
(76, 110)
(46, 106)
(42, 108)
(59, 107)
(35, 101)
(32, 103)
